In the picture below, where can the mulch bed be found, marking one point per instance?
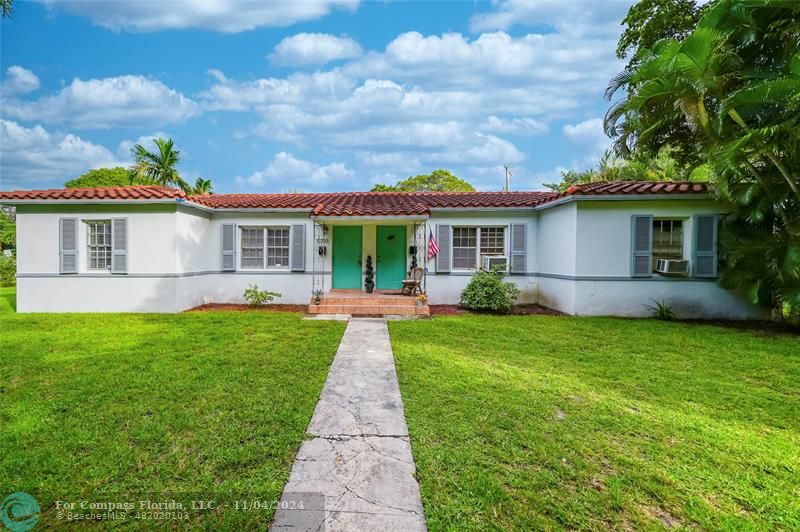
(519, 310)
(212, 307)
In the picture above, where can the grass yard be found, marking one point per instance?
(540, 422)
(198, 406)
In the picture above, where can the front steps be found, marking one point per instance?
(357, 303)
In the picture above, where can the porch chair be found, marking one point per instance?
(412, 285)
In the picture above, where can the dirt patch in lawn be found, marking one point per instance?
(519, 310)
(213, 307)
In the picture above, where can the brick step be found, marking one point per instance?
(369, 301)
(406, 310)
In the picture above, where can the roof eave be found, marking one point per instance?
(625, 197)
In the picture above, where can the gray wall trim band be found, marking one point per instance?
(592, 278)
(156, 275)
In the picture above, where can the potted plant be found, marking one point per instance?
(422, 299)
(369, 277)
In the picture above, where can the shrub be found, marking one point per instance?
(8, 270)
(662, 310)
(257, 298)
(488, 292)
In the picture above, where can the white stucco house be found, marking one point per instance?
(593, 250)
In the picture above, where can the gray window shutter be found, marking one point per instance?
(705, 245)
(68, 245)
(641, 246)
(299, 248)
(119, 245)
(445, 242)
(519, 248)
(228, 247)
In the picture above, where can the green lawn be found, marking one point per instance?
(540, 422)
(190, 406)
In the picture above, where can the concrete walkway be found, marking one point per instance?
(360, 457)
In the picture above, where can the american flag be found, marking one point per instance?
(433, 247)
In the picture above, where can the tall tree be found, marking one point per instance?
(650, 21)
(108, 177)
(8, 228)
(437, 181)
(734, 84)
(202, 186)
(160, 165)
(6, 8)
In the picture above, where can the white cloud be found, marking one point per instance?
(314, 49)
(35, 158)
(227, 16)
(515, 126)
(18, 80)
(574, 17)
(124, 148)
(285, 169)
(107, 102)
(590, 136)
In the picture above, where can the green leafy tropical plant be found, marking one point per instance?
(731, 91)
(108, 177)
(258, 298)
(159, 166)
(662, 310)
(487, 291)
(437, 181)
(202, 186)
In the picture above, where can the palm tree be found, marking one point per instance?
(202, 186)
(729, 94)
(159, 166)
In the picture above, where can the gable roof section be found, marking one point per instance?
(138, 192)
(360, 203)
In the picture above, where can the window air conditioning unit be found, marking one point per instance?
(493, 261)
(672, 267)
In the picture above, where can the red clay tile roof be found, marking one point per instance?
(137, 192)
(637, 187)
(361, 203)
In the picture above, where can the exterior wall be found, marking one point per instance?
(446, 288)
(578, 260)
(604, 285)
(40, 288)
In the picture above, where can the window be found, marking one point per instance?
(99, 242)
(493, 240)
(667, 239)
(464, 248)
(252, 247)
(265, 246)
(467, 252)
(277, 247)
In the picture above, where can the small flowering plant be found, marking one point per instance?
(422, 299)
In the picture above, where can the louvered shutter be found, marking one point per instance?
(443, 258)
(519, 248)
(68, 245)
(228, 247)
(641, 246)
(705, 245)
(119, 245)
(299, 248)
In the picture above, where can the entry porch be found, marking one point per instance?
(363, 265)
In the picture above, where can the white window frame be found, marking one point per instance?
(478, 235)
(288, 247)
(685, 250)
(242, 229)
(107, 245)
(264, 247)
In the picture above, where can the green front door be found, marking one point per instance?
(391, 251)
(347, 257)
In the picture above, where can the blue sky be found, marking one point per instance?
(314, 95)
